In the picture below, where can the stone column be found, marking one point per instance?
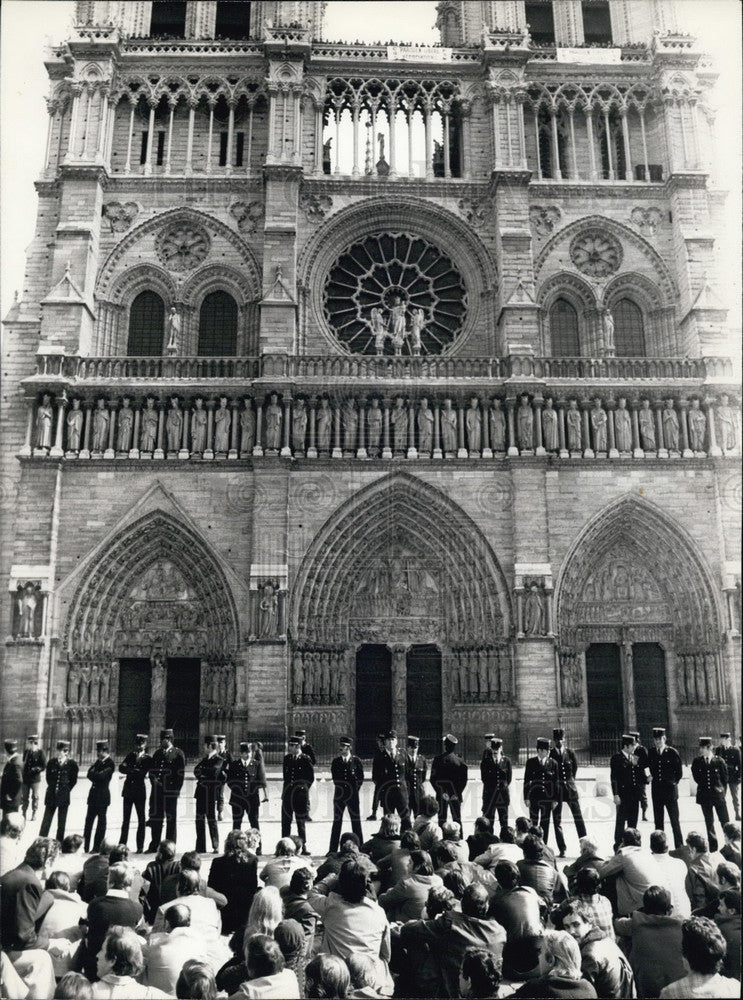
(110, 452)
(159, 452)
(286, 451)
(637, 451)
(511, 424)
(662, 450)
(134, 450)
(628, 684)
(563, 452)
(258, 446)
(157, 702)
(437, 452)
(312, 447)
(461, 449)
(184, 453)
(336, 451)
(57, 450)
(611, 406)
(399, 689)
(487, 451)
(585, 406)
(683, 407)
(715, 451)
(209, 450)
(386, 449)
(25, 451)
(412, 451)
(538, 400)
(361, 452)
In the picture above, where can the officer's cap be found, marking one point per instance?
(390, 735)
(345, 741)
(705, 741)
(658, 731)
(413, 741)
(166, 734)
(33, 736)
(451, 739)
(141, 737)
(723, 736)
(300, 732)
(636, 736)
(294, 741)
(220, 736)
(496, 742)
(11, 746)
(244, 745)
(558, 734)
(63, 744)
(211, 738)
(101, 744)
(489, 736)
(543, 743)
(628, 739)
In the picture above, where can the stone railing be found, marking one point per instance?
(147, 368)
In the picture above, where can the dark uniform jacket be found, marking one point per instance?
(298, 770)
(209, 774)
(347, 775)
(168, 769)
(496, 776)
(449, 775)
(640, 756)
(665, 769)
(34, 762)
(540, 780)
(417, 774)
(245, 780)
(711, 777)
(731, 756)
(136, 770)
(309, 752)
(60, 780)
(567, 768)
(393, 771)
(100, 773)
(377, 766)
(11, 785)
(626, 780)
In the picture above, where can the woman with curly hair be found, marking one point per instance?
(235, 875)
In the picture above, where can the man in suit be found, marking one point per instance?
(347, 773)
(711, 776)
(392, 776)
(167, 772)
(299, 775)
(417, 774)
(540, 786)
(449, 780)
(665, 770)
(209, 774)
(136, 766)
(376, 776)
(567, 790)
(246, 777)
(731, 756)
(226, 756)
(496, 774)
(113, 909)
(641, 760)
(34, 762)
(11, 783)
(61, 778)
(100, 773)
(627, 784)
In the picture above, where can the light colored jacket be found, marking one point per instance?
(636, 872)
(166, 954)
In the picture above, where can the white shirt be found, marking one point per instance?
(281, 986)
(113, 987)
(672, 876)
(167, 953)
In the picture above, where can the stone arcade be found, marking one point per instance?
(363, 385)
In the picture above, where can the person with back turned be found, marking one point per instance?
(11, 783)
(449, 779)
(731, 756)
(567, 790)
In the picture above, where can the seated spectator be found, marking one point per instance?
(62, 921)
(727, 919)
(589, 857)
(455, 881)
(363, 977)
(521, 958)
(348, 850)
(559, 971)
(634, 871)
(381, 844)
(479, 841)
(597, 906)
(267, 977)
(731, 848)
(94, 880)
(332, 863)
(295, 898)
(418, 968)
(295, 948)
(196, 982)
(506, 849)
(548, 854)
(516, 907)
(204, 913)
(426, 823)
(407, 899)
(119, 963)
(669, 872)
(483, 973)
(190, 862)
(452, 834)
(119, 854)
(73, 986)
(154, 875)
(234, 876)
(396, 865)
(71, 859)
(115, 909)
(655, 934)
(602, 962)
(11, 828)
(327, 976)
(169, 949)
(535, 871)
(702, 887)
(286, 861)
(703, 947)
(263, 918)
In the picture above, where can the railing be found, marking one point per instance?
(67, 366)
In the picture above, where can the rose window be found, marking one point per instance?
(595, 253)
(392, 293)
(182, 246)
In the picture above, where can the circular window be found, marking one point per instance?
(392, 293)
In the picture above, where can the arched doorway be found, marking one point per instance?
(373, 696)
(424, 707)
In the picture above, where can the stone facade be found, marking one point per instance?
(510, 503)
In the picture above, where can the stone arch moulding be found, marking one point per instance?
(414, 216)
(580, 295)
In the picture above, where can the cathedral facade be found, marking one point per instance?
(356, 386)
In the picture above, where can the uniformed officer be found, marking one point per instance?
(496, 774)
(731, 756)
(308, 752)
(209, 774)
(34, 762)
(246, 776)
(567, 790)
(627, 785)
(393, 781)
(449, 779)
(347, 773)
(227, 757)
(665, 771)
(299, 775)
(417, 774)
(641, 758)
(540, 786)
(167, 773)
(136, 766)
(100, 773)
(61, 778)
(711, 776)
(376, 775)
(11, 783)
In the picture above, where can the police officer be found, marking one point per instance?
(449, 779)
(308, 752)
(627, 786)
(540, 786)
(246, 776)
(167, 773)
(641, 758)
(34, 762)
(226, 756)
(347, 773)
(100, 773)
(665, 770)
(496, 774)
(11, 783)
(731, 756)
(417, 774)
(567, 790)
(209, 774)
(299, 775)
(376, 775)
(393, 780)
(136, 766)
(711, 776)
(61, 778)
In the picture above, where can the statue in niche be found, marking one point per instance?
(573, 425)
(273, 423)
(449, 428)
(159, 678)
(711, 674)
(350, 425)
(174, 425)
(549, 426)
(336, 679)
(27, 600)
(198, 427)
(473, 420)
(73, 686)
(534, 621)
(598, 423)
(622, 587)
(174, 331)
(525, 424)
(701, 680)
(417, 322)
(44, 421)
(671, 426)
(497, 427)
(125, 425)
(379, 329)
(399, 421)
(647, 427)
(572, 681)
(299, 425)
(609, 346)
(324, 425)
(504, 667)
(324, 678)
(472, 675)
(482, 673)
(494, 687)
(623, 426)
(222, 424)
(397, 320)
(74, 426)
(697, 426)
(268, 610)
(374, 426)
(148, 435)
(247, 427)
(100, 426)
(726, 419)
(297, 679)
(425, 427)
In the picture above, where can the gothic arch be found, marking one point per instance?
(395, 512)
(581, 297)
(143, 277)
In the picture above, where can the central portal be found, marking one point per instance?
(373, 696)
(182, 703)
(425, 717)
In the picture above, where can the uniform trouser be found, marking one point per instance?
(668, 800)
(30, 791)
(375, 799)
(163, 807)
(540, 811)
(138, 801)
(719, 806)
(414, 801)
(49, 816)
(456, 810)
(580, 826)
(493, 801)
(734, 787)
(627, 812)
(220, 799)
(206, 815)
(94, 812)
(644, 800)
(295, 801)
(394, 799)
(345, 799)
(249, 805)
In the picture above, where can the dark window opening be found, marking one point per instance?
(222, 149)
(239, 148)
(233, 19)
(596, 22)
(565, 342)
(629, 329)
(545, 143)
(146, 325)
(143, 148)
(218, 326)
(160, 148)
(168, 18)
(541, 22)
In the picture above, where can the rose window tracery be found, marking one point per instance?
(595, 253)
(183, 246)
(393, 293)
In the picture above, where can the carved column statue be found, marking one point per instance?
(571, 678)
(399, 688)
(157, 698)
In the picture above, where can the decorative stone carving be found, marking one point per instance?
(268, 610)
(647, 427)
(324, 425)
(473, 420)
(525, 425)
(544, 218)
(374, 419)
(124, 426)
(449, 429)
(481, 673)
(182, 246)
(173, 331)
(120, 217)
(273, 418)
(608, 328)
(198, 427)
(573, 426)
(571, 679)
(318, 676)
(596, 253)
(222, 425)
(74, 427)
(697, 426)
(44, 423)
(425, 427)
(299, 426)
(350, 420)
(399, 421)
(670, 427)
(726, 435)
(623, 427)
(247, 428)
(100, 426)
(535, 621)
(477, 212)
(315, 206)
(174, 425)
(497, 427)
(148, 437)
(28, 607)
(599, 426)
(549, 426)
(247, 215)
(647, 220)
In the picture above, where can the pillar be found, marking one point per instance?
(56, 450)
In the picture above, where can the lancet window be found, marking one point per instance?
(629, 329)
(146, 325)
(563, 325)
(218, 325)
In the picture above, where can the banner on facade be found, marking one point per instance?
(604, 57)
(418, 53)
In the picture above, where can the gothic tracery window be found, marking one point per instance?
(563, 323)
(218, 325)
(629, 329)
(146, 325)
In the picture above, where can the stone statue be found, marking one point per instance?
(497, 427)
(482, 673)
(324, 425)
(309, 677)
(324, 678)
(623, 426)
(697, 426)
(473, 420)
(374, 426)
(609, 346)
(174, 425)
(159, 678)
(525, 425)
(534, 611)
(27, 600)
(726, 421)
(647, 427)
(379, 329)
(247, 427)
(148, 435)
(570, 672)
(549, 426)
(174, 330)
(299, 425)
(598, 423)
(350, 425)
(472, 676)
(417, 322)
(701, 680)
(100, 426)
(125, 425)
(273, 424)
(74, 426)
(397, 317)
(399, 421)
(336, 678)
(573, 425)
(425, 427)
(222, 423)
(449, 428)
(297, 679)
(198, 427)
(671, 426)
(44, 421)
(268, 610)
(494, 678)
